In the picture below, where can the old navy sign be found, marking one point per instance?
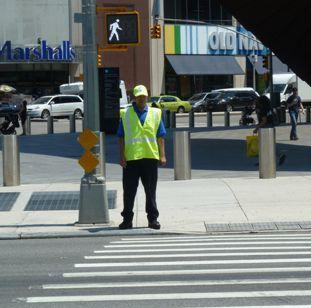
(42, 52)
(211, 40)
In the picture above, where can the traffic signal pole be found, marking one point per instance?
(271, 76)
(93, 206)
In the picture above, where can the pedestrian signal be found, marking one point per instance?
(265, 62)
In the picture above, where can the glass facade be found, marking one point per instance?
(200, 10)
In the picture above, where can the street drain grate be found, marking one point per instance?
(62, 201)
(7, 201)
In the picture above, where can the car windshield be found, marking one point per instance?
(197, 97)
(42, 100)
(154, 99)
(212, 95)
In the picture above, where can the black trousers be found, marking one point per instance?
(147, 171)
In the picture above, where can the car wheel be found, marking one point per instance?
(78, 114)
(181, 109)
(45, 114)
(229, 108)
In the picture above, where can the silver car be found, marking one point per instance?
(57, 106)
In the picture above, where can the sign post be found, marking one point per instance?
(93, 206)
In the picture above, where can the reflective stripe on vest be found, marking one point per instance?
(140, 140)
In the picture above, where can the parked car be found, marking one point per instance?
(57, 106)
(170, 102)
(227, 100)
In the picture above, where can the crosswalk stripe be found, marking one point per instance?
(188, 272)
(205, 244)
(174, 283)
(167, 296)
(253, 236)
(209, 239)
(177, 263)
(295, 248)
(195, 255)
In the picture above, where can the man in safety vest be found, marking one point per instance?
(141, 136)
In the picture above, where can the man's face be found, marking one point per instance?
(141, 100)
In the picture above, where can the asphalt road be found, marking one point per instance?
(262, 270)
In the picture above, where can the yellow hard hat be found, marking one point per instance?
(140, 91)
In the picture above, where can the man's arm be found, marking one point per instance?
(261, 124)
(161, 145)
(122, 152)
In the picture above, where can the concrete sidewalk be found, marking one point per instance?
(198, 206)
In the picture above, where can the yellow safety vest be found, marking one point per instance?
(141, 140)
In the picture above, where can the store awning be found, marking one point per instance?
(278, 66)
(205, 65)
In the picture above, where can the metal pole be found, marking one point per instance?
(28, 125)
(227, 119)
(271, 77)
(173, 119)
(50, 125)
(10, 160)
(182, 155)
(167, 122)
(72, 123)
(191, 119)
(267, 153)
(308, 118)
(209, 116)
(93, 206)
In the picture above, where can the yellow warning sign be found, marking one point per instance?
(88, 161)
(88, 139)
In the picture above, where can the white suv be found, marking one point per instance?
(57, 106)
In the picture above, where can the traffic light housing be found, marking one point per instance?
(99, 59)
(155, 31)
(265, 62)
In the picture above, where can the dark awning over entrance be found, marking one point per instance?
(282, 25)
(205, 65)
(278, 66)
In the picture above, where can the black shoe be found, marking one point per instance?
(154, 225)
(282, 159)
(295, 138)
(126, 225)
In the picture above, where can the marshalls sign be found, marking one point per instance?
(123, 28)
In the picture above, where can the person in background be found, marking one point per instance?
(23, 117)
(294, 105)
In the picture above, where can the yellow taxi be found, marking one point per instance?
(169, 102)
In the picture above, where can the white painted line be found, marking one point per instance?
(166, 296)
(278, 306)
(196, 255)
(177, 263)
(295, 248)
(210, 239)
(173, 283)
(188, 272)
(239, 236)
(207, 244)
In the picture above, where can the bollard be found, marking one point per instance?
(209, 119)
(72, 122)
(50, 125)
(10, 160)
(167, 122)
(182, 155)
(308, 117)
(173, 119)
(267, 153)
(28, 126)
(227, 119)
(191, 119)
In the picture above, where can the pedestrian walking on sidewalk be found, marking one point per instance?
(294, 105)
(266, 118)
(141, 138)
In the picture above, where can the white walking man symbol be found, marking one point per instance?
(113, 28)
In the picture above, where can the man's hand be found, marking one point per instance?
(255, 131)
(123, 162)
(162, 161)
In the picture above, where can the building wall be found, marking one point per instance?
(134, 63)
(24, 21)
(239, 81)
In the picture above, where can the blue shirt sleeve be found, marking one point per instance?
(120, 132)
(161, 130)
